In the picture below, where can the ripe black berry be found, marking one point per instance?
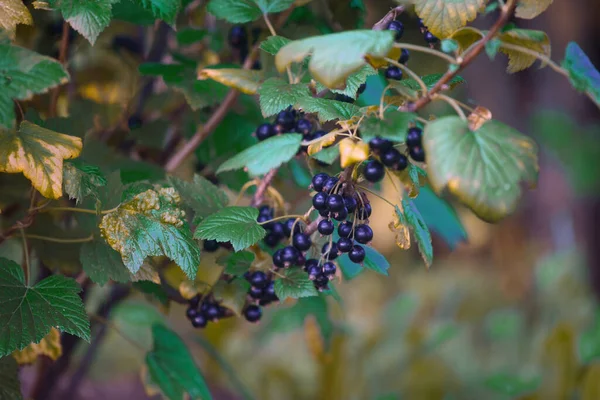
(195, 301)
(321, 281)
(255, 293)
(404, 56)
(210, 245)
(393, 72)
(288, 225)
(199, 321)
(319, 201)
(252, 313)
(311, 262)
(313, 271)
(363, 233)
(256, 65)
(272, 239)
(301, 241)
(286, 120)
(258, 279)
(345, 244)
(361, 89)
(330, 254)
(278, 229)
(324, 213)
(289, 255)
(329, 268)
(373, 171)
(344, 98)
(357, 254)
(325, 227)
(318, 180)
(350, 203)
(430, 38)
(269, 291)
(398, 27)
(134, 122)
(191, 312)
(303, 126)
(277, 259)
(402, 163)
(266, 210)
(345, 229)
(335, 202)
(341, 215)
(413, 137)
(265, 131)
(364, 212)
(237, 36)
(330, 184)
(421, 24)
(212, 311)
(380, 144)
(390, 157)
(417, 153)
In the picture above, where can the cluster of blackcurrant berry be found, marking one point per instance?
(289, 121)
(276, 231)
(211, 246)
(238, 39)
(262, 291)
(394, 72)
(414, 142)
(200, 311)
(428, 36)
(387, 156)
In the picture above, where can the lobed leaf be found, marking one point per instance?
(102, 263)
(277, 95)
(294, 283)
(273, 44)
(353, 82)
(166, 10)
(242, 11)
(232, 224)
(537, 41)
(81, 180)
(328, 110)
(393, 127)
(415, 221)
(238, 263)
(200, 195)
(10, 387)
(444, 17)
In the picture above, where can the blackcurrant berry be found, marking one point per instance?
(301, 259)
(195, 301)
(191, 312)
(266, 210)
(361, 89)
(277, 259)
(199, 321)
(325, 227)
(380, 144)
(345, 229)
(210, 245)
(134, 122)
(321, 281)
(357, 254)
(313, 271)
(329, 268)
(269, 291)
(319, 201)
(286, 120)
(318, 180)
(289, 255)
(237, 36)
(421, 24)
(390, 157)
(413, 137)
(301, 241)
(212, 311)
(324, 213)
(311, 262)
(397, 27)
(335, 202)
(278, 229)
(330, 184)
(341, 215)
(343, 98)
(345, 244)
(272, 239)
(365, 212)
(430, 38)
(363, 233)
(404, 56)
(255, 293)
(288, 225)
(417, 153)
(393, 72)
(303, 126)
(373, 171)
(319, 134)
(262, 218)
(265, 131)
(350, 203)
(330, 254)
(258, 279)
(402, 163)
(252, 313)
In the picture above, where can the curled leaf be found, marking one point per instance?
(352, 152)
(399, 227)
(477, 118)
(245, 80)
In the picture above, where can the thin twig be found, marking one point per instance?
(410, 72)
(387, 18)
(57, 240)
(452, 103)
(62, 58)
(428, 50)
(261, 188)
(26, 255)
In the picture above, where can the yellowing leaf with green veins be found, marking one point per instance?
(38, 153)
(276, 95)
(444, 17)
(10, 387)
(49, 346)
(81, 180)
(336, 56)
(465, 37)
(533, 40)
(232, 224)
(482, 168)
(24, 73)
(529, 9)
(28, 313)
(245, 80)
(12, 13)
(152, 224)
(232, 295)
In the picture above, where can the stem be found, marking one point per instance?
(428, 50)
(387, 18)
(62, 58)
(468, 57)
(453, 104)
(409, 72)
(57, 240)
(283, 217)
(79, 210)
(26, 255)
(269, 25)
(537, 55)
(376, 195)
(243, 190)
(262, 187)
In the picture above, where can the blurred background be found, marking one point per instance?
(509, 313)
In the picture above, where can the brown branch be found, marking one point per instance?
(62, 58)
(265, 182)
(387, 18)
(507, 12)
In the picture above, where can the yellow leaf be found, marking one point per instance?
(12, 13)
(529, 9)
(352, 152)
(537, 41)
(146, 273)
(444, 17)
(480, 116)
(231, 295)
(49, 346)
(245, 80)
(325, 141)
(465, 37)
(314, 339)
(187, 289)
(38, 153)
(590, 385)
(402, 233)
(560, 363)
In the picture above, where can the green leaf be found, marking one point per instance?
(102, 264)
(132, 11)
(232, 295)
(237, 263)
(393, 127)
(200, 195)
(413, 218)
(444, 17)
(189, 36)
(265, 156)
(511, 385)
(27, 313)
(336, 56)
(537, 41)
(349, 269)
(328, 155)
(375, 261)
(81, 180)
(172, 367)
(163, 9)
(24, 73)
(588, 345)
(276, 95)
(440, 217)
(353, 82)
(328, 110)
(295, 284)
(152, 224)
(449, 46)
(242, 11)
(492, 47)
(530, 9)
(582, 74)
(232, 224)
(160, 69)
(412, 87)
(301, 175)
(483, 168)
(89, 18)
(10, 387)
(273, 44)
